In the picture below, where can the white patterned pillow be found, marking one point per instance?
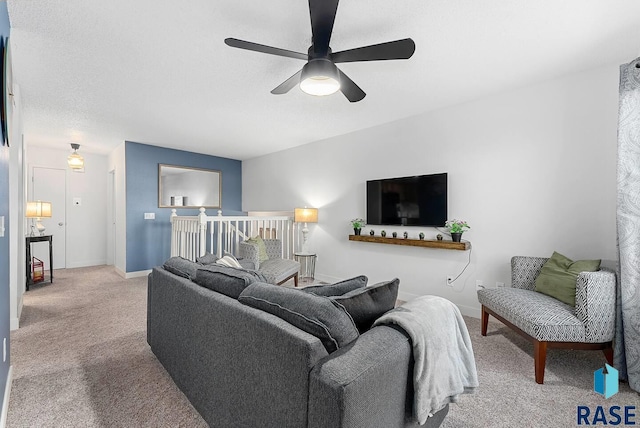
(230, 261)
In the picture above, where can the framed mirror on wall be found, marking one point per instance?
(187, 187)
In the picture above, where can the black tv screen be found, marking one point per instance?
(408, 201)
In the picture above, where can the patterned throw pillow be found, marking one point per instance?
(559, 274)
(365, 305)
(262, 248)
(230, 261)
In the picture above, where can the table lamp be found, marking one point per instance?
(305, 215)
(38, 210)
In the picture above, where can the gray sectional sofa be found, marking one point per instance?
(243, 367)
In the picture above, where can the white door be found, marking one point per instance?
(49, 184)
(111, 218)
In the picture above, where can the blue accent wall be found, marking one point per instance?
(4, 241)
(149, 241)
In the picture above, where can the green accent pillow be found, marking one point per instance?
(262, 249)
(559, 274)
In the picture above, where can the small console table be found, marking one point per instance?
(29, 241)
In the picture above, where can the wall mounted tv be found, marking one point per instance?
(408, 201)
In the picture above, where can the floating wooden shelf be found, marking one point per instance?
(429, 243)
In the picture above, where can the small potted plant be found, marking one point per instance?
(383, 233)
(456, 228)
(357, 224)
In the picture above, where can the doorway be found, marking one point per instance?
(49, 184)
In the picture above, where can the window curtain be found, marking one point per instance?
(627, 342)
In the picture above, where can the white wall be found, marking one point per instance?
(17, 195)
(86, 237)
(116, 164)
(532, 171)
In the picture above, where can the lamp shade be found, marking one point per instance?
(305, 215)
(38, 209)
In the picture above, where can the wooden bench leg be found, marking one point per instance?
(295, 280)
(485, 321)
(540, 359)
(608, 354)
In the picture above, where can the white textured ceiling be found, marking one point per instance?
(155, 71)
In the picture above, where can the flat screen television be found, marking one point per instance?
(408, 201)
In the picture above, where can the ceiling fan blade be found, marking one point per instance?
(287, 85)
(323, 15)
(250, 46)
(350, 89)
(398, 49)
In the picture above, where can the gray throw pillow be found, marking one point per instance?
(181, 267)
(339, 288)
(226, 280)
(317, 315)
(365, 305)
(207, 259)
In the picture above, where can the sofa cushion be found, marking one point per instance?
(262, 248)
(226, 280)
(365, 305)
(541, 317)
(317, 315)
(339, 288)
(181, 267)
(559, 274)
(277, 270)
(207, 259)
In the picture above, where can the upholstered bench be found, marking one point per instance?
(275, 269)
(548, 322)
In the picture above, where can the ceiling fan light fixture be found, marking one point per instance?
(75, 159)
(320, 77)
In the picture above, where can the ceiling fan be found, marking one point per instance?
(320, 76)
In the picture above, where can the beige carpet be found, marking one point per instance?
(81, 359)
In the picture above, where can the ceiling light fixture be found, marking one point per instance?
(320, 77)
(75, 160)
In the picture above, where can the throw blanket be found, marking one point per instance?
(444, 363)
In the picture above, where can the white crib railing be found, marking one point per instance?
(193, 236)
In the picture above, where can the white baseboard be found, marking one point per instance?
(5, 402)
(120, 272)
(469, 311)
(406, 296)
(14, 323)
(86, 263)
(327, 278)
(137, 274)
